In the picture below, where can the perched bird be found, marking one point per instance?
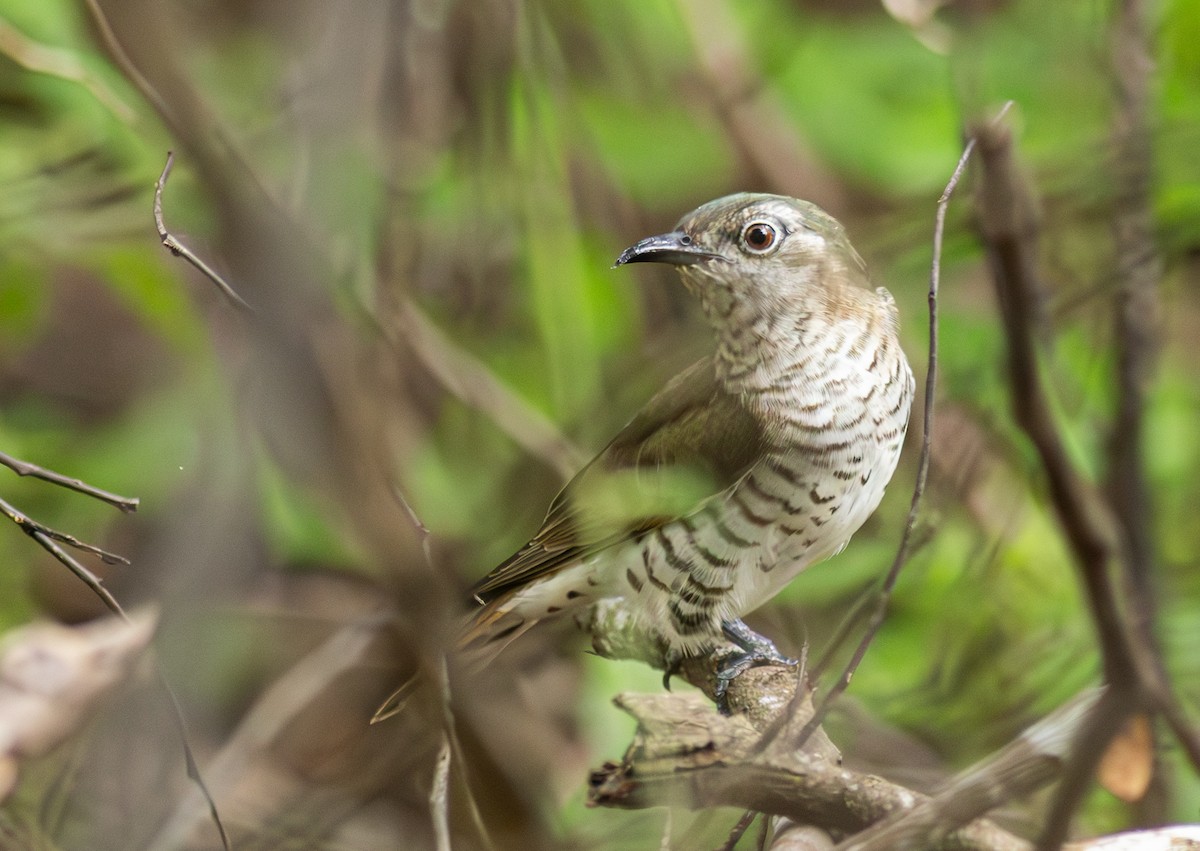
(747, 467)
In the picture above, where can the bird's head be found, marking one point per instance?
(755, 253)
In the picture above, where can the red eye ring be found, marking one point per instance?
(758, 237)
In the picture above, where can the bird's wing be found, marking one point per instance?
(691, 441)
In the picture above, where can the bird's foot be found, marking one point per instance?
(673, 666)
(756, 650)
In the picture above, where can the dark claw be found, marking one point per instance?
(758, 650)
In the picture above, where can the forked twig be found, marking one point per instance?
(47, 538)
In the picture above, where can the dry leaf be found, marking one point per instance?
(1128, 764)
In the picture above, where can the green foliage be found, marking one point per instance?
(495, 196)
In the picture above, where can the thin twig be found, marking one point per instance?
(902, 553)
(24, 468)
(439, 796)
(449, 731)
(33, 528)
(422, 530)
(739, 830)
(46, 537)
(469, 380)
(180, 250)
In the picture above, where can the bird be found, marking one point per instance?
(748, 467)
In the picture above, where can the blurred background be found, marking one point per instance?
(422, 199)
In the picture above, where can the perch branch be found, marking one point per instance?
(685, 753)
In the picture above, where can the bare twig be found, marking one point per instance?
(902, 552)
(180, 250)
(37, 530)
(470, 381)
(24, 468)
(46, 537)
(739, 830)
(422, 530)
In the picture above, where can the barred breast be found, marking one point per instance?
(837, 398)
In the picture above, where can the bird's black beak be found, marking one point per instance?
(676, 248)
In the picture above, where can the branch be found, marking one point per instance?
(1023, 766)
(46, 538)
(467, 379)
(24, 468)
(1009, 229)
(685, 753)
(180, 250)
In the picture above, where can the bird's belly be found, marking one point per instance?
(678, 583)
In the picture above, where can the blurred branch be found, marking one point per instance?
(43, 59)
(1137, 307)
(275, 708)
(471, 382)
(462, 375)
(1009, 228)
(24, 468)
(1023, 766)
(750, 110)
(1137, 318)
(1133, 668)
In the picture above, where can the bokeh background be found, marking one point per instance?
(422, 200)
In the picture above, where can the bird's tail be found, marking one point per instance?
(483, 637)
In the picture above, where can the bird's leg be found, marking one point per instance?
(756, 650)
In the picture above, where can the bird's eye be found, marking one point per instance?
(758, 237)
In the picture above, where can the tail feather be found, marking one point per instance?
(485, 636)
